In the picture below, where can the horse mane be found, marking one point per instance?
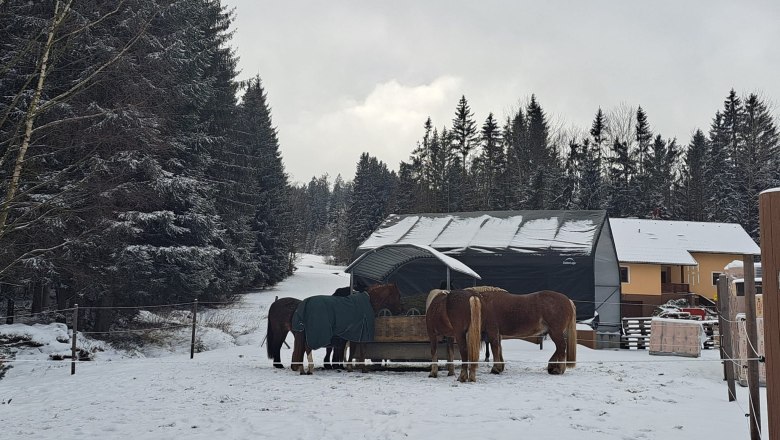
(483, 289)
(434, 293)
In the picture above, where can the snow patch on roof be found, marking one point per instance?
(571, 232)
(671, 242)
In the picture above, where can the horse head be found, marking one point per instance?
(385, 296)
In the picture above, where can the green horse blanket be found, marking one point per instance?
(322, 317)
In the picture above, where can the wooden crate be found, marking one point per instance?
(400, 329)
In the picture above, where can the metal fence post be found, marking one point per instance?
(73, 339)
(194, 320)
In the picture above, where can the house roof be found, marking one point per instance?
(672, 242)
(530, 232)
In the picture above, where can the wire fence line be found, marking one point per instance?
(246, 359)
(233, 305)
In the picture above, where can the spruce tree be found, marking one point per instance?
(694, 186)
(464, 132)
(271, 214)
(518, 160)
(724, 203)
(621, 174)
(373, 199)
(757, 165)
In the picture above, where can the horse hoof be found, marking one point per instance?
(554, 370)
(278, 365)
(328, 367)
(495, 370)
(433, 375)
(451, 373)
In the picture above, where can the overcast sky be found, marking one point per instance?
(344, 77)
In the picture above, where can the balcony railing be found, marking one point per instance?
(674, 288)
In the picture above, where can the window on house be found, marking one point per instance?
(715, 276)
(623, 274)
(666, 274)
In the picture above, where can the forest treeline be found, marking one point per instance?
(136, 169)
(524, 162)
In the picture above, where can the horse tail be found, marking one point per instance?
(269, 339)
(571, 340)
(474, 336)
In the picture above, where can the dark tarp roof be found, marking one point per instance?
(521, 251)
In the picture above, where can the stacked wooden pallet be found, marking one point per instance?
(636, 333)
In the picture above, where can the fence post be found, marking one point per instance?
(769, 221)
(194, 320)
(73, 339)
(752, 346)
(724, 328)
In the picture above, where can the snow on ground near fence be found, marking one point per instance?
(233, 392)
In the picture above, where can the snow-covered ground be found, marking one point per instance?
(231, 391)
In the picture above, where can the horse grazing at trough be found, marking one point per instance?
(464, 316)
(337, 345)
(280, 323)
(537, 314)
(319, 318)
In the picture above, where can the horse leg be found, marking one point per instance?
(434, 359)
(338, 353)
(348, 348)
(298, 349)
(498, 355)
(450, 356)
(557, 364)
(463, 347)
(310, 358)
(362, 357)
(487, 349)
(326, 361)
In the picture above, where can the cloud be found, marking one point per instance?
(387, 123)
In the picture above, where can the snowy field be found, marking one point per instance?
(232, 391)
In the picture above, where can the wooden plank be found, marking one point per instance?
(769, 221)
(405, 351)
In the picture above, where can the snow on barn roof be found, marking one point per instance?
(671, 242)
(565, 232)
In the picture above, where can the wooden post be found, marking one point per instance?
(752, 335)
(73, 339)
(769, 220)
(724, 326)
(194, 320)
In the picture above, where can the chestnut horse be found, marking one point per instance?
(464, 316)
(537, 314)
(381, 296)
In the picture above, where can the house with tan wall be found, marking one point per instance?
(663, 259)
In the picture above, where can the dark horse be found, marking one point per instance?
(380, 296)
(464, 316)
(536, 314)
(279, 318)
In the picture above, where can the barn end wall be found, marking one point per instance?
(607, 282)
